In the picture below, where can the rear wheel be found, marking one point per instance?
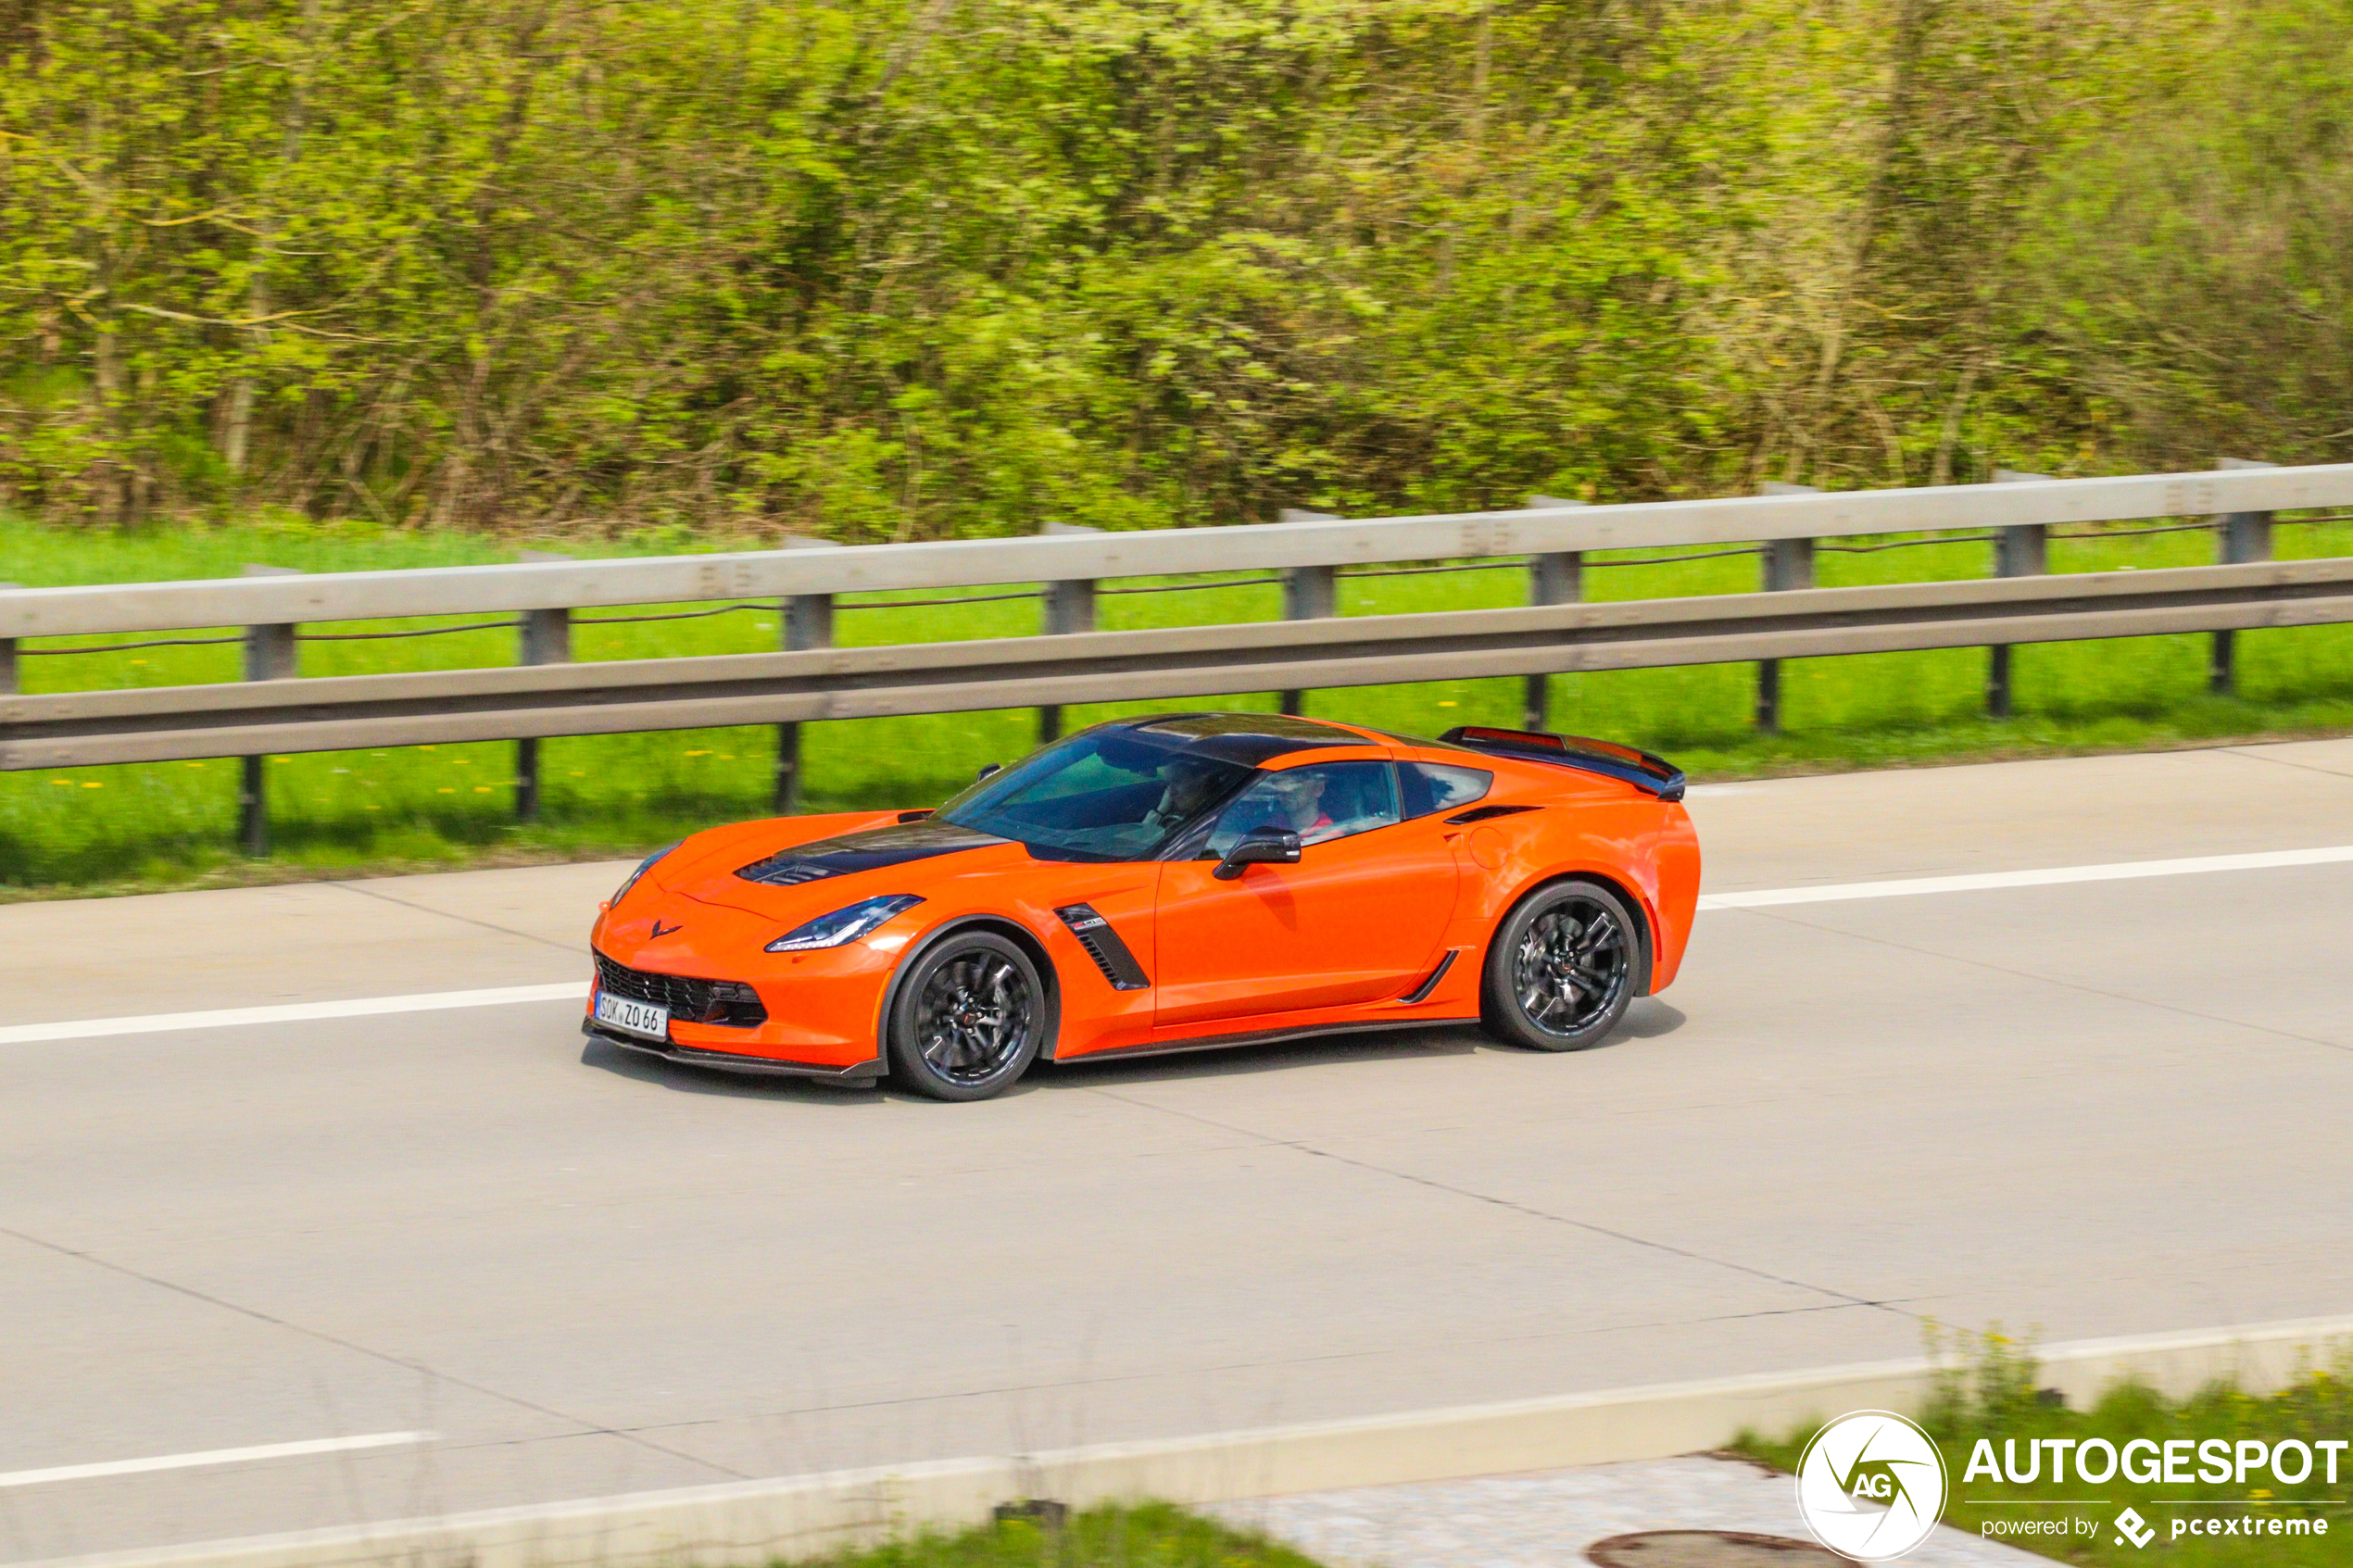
(1563, 968)
(968, 1019)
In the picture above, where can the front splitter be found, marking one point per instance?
(857, 1074)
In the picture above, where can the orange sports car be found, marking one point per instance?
(1161, 884)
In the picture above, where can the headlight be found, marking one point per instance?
(643, 867)
(846, 924)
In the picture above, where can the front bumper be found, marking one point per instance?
(817, 1013)
(861, 1073)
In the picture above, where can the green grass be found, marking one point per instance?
(1147, 1536)
(1995, 1398)
(168, 824)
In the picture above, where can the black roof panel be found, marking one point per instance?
(1248, 738)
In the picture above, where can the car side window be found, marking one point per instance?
(1319, 802)
(1433, 786)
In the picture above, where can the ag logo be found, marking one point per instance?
(1870, 1485)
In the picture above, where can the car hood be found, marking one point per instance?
(802, 881)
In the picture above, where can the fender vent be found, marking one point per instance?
(1488, 814)
(1421, 991)
(1103, 946)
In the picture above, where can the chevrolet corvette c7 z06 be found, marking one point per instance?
(1165, 884)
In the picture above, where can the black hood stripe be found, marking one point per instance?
(867, 850)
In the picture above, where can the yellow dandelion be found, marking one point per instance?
(699, 754)
(93, 784)
(482, 789)
(444, 789)
(68, 782)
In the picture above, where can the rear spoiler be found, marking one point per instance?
(1645, 771)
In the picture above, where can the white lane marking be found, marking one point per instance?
(2123, 871)
(213, 1456)
(290, 1013)
(574, 991)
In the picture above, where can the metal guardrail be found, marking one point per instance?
(1074, 556)
(339, 713)
(1072, 662)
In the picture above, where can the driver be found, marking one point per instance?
(1187, 788)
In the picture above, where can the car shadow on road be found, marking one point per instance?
(1648, 1018)
(687, 1078)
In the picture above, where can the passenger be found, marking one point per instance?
(1301, 795)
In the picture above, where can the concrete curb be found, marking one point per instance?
(803, 1515)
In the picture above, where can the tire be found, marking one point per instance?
(969, 1018)
(1563, 968)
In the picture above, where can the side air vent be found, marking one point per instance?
(1422, 991)
(1488, 814)
(1103, 946)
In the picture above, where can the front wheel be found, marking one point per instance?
(1563, 967)
(969, 1019)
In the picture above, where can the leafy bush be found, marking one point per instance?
(895, 268)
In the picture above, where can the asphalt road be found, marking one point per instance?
(2091, 1107)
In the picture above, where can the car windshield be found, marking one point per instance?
(1113, 793)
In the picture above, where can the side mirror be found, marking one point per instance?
(1259, 846)
(986, 769)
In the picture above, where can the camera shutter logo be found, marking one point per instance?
(1870, 1485)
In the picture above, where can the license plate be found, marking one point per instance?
(633, 1017)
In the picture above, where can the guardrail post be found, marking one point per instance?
(269, 656)
(805, 620)
(1557, 577)
(808, 623)
(547, 639)
(1789, 563)
(8, 656)
(2019, 550)
(1066, 607)
(1310, 593)
(2245, 536)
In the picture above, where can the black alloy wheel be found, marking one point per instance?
(969, 1018)
(1564, 967)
